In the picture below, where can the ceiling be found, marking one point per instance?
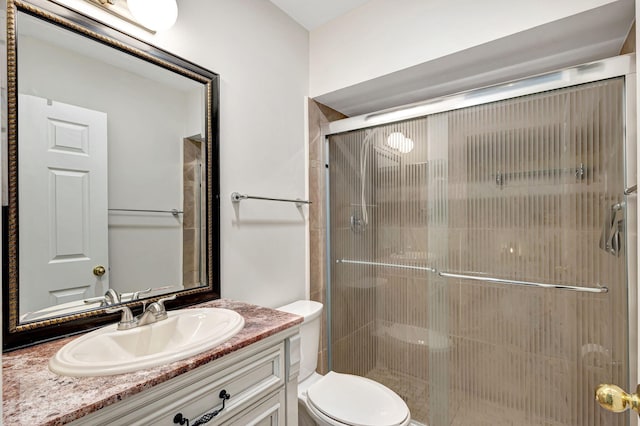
(588, 36)
(592, 35)
(313, 13)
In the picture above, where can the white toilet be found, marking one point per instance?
(339, 399)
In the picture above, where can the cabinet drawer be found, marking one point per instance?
(270, 412)
(246, 382)
(247, 379)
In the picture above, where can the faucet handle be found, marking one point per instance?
(127, 320)
(136, 295)
(166, 299)
(112, 297)
(160, 310)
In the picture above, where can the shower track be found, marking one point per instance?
(475, 277)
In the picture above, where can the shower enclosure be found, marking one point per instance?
(479, 249)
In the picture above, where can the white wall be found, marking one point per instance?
(262, 58)
(385, 36)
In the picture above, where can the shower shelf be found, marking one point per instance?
(598, 290)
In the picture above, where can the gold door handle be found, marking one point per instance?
(613, 398)
(99, 271)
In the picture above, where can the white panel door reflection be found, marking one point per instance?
(62, 206)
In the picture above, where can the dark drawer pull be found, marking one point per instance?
(181, 420)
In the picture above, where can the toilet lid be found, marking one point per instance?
(357, 401)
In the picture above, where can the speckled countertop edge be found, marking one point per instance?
(33, 395)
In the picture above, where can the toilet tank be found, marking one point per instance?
(309, 333)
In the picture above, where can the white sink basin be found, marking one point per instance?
(184, 333)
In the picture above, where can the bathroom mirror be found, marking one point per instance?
(111, 183)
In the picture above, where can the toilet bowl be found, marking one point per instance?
(338, 399)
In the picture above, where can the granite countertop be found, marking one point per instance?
(33, 395)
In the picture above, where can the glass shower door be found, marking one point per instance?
(440, 229)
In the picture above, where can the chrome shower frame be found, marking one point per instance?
(620, 66)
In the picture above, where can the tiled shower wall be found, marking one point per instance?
(519, 189)
(319, 115)
(192, 206)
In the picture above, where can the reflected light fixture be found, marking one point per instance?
(152, 15)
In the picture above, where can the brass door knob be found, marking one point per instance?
(613, 398)
(99, 271)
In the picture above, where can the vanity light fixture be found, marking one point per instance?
(151, 15)
(155, 14)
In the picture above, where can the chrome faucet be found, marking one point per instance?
(153, 313)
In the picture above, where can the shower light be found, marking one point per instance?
(395, 140)
(157, 15)
(406, 146)
(399, 141)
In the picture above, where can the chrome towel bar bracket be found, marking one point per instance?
(236, 197)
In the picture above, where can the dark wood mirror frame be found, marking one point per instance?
(17, 335)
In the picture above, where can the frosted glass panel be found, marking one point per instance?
(527, 189)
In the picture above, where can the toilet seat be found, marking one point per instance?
(344, 399)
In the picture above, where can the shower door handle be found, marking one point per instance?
(613, 398)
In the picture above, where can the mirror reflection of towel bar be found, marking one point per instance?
(172, 211)
(236, 197)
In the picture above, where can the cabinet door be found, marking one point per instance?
(270, 412)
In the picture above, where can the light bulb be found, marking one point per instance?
(156, 15)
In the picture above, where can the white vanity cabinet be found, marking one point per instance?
(258, 379)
